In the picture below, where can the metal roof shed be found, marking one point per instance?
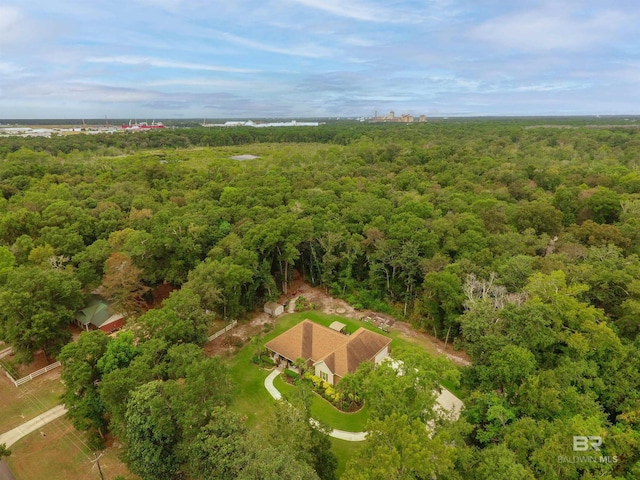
(338, 327)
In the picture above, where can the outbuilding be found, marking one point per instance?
(98, 315)
(274, 309)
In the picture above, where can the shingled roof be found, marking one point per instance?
(306, 340)
(363, 345)
(317, 343)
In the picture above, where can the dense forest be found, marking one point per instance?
(517, 242)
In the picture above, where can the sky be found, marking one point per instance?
(245, 59)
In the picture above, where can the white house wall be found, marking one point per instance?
(322, 367)
(381, 355)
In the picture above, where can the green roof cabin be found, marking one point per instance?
(98, 315)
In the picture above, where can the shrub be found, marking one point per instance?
(267, 360)
(291, 374)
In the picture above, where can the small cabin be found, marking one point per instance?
(99, 316)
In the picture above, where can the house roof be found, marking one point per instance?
(306, 340)
(363, 345)
(97, 313)
(341, 353)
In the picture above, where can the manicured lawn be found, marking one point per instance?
(251, 399)
(453, 388)
(325, 412)
(344, 450)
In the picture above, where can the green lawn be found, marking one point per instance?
(252, 399)
(326, 413)
(344, 450)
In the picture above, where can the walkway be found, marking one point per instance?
(12, 436)
(447, 405)
(340, 434)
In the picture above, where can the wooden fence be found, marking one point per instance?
(224, 330)
(31, 376)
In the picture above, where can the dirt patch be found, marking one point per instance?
(240, 335)
(327, 304)
(433, 345)
(324, 302)
(335, 306)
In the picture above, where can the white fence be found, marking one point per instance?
(6, 352)
(31, 376)
(224, 330)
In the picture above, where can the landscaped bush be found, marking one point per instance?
(267, 360)
(327, 392)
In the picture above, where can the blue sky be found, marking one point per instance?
(306, 58)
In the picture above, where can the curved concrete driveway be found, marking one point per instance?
(12, 436)
(341, 434)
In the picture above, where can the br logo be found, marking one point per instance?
(583, 444)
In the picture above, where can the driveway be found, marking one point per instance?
(12, 436)
(447, 403)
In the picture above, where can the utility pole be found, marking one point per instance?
(97, 460)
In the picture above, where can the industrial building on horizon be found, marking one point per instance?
(404, 118)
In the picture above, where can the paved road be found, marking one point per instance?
(5, 471)
(12, 436)
(341, 434)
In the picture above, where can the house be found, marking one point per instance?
(274, 309)
(99, 316)
(331, 353)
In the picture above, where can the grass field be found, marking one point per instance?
(19, 404)
(205, 157)
(61, 454)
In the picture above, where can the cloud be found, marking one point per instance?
(548, 29)
(10, 69)
(309, 51)
(160, 63)
(357, 10)
(19, 30)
